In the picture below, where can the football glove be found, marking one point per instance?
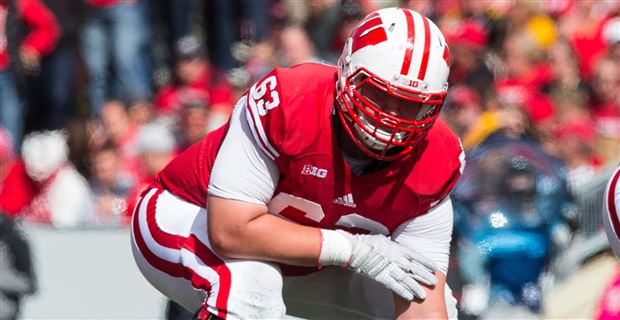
(377, 257)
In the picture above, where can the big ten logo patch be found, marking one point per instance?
(311, 170)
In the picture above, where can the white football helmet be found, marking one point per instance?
(393, 77)
(611, 214)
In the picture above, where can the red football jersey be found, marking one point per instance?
(290, 114)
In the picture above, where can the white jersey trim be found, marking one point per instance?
(257, 127)
(243, 170)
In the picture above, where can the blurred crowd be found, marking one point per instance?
(96, 96)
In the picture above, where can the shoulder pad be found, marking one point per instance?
(288, 107)
(438, 165)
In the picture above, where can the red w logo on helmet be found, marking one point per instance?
(369, 32)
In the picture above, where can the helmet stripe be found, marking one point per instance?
(611, 205)
(427, 49)
(446, 55)
(369, 32)
(404, 70)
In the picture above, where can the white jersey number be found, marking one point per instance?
(314, 212)
(258, 94)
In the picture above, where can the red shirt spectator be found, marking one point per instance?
(583, 26)
(16, 189)
(605, 105)
(117, 129)
(516, 92)
(103, 3)
(44, 187)
(214, 93)
(197, 81)
(44, 31)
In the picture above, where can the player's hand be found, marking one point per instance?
(376, 256)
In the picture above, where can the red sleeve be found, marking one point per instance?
(44, 27)
(289, 107)
(439, 164)
(454, 162)
(264, 114)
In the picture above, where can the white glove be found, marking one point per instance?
(376, 256)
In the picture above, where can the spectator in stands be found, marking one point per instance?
(17, 276)
(156, 147)
(424, 7)
(321, 24)
(566, 79)
(115, 38)
(140, 112)
(50, 94)
(13, 175)
(116, 129)
(582, 26)
(40, 41)
(169, 21)
(574, 141)
(529, 20)
(462, 110)
(508, 120)
(196, 79)
(261, 60)
(231, 21)
(611, 34)
(525, 77)
(193, 124)
(45, 188)
(605, 107)
(109, 185)
(467, 40)
(295, 47)
(350, 15)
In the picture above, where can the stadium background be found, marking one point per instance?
(131, 83)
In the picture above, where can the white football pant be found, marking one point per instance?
(172, 250)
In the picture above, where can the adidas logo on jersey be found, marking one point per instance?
(346, 200)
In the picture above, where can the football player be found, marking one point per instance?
(326, 193)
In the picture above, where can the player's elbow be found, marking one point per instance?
(229, 226)
(223, 244)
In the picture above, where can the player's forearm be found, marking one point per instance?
(433, 307)
(260, 235)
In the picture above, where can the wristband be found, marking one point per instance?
(335, 249)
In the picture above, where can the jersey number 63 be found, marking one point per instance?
(265, 95)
